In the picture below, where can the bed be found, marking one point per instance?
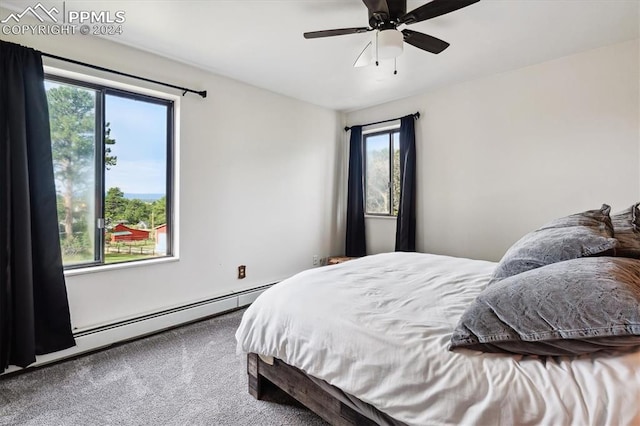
(549, 335)
(372, 335)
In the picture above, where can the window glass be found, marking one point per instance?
(72, 112)
(377, 174)
(135, 179)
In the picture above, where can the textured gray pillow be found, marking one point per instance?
(567, 308)
(625, 230)
(578, 235)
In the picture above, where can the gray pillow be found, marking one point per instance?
(578, 235)
(625, 230)
(567, 308)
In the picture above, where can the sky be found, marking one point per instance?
(140, 131)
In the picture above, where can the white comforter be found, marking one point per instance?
(379, 327)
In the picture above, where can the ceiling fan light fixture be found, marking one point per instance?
(389, 43)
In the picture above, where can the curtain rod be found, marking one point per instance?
(416, 116)
(202, 93)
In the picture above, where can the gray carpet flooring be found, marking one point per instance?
(186, 376)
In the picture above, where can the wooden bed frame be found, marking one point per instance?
(264, 377)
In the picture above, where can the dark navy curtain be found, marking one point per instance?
(34, 311)
(406, 223)
(355, 242)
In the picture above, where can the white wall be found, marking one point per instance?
(258, 186)
(501, 155)
(380, 234)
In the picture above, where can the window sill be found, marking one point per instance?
(373, 216)
(117, 266)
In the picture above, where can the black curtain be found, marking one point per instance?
(406, 223)
(34, 310)
(355, 244)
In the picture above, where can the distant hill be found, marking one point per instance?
(143, 197)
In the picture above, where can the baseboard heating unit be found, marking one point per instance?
(102, 337)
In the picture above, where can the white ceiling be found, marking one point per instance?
(260, 41)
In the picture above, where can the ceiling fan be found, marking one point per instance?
(385, 16)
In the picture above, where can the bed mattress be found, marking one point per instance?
(379, 327)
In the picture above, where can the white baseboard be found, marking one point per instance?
(107, 336)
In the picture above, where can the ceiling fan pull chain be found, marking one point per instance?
(377, 49)
(395, 66)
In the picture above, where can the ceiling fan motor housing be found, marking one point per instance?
(397, 8)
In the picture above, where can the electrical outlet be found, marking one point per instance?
(316, 260)
(242, 272)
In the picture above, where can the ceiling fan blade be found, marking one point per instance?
(424, 41)
(433, 9)
(331, 33)
(365, 57)
(378, 8)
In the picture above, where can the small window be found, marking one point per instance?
(382, 172)
(112, 152)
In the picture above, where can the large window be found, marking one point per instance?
(382, 172)
(112, 155)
